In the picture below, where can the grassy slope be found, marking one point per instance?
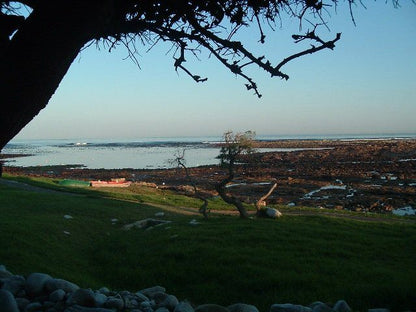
(222, 260)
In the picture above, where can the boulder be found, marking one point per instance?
(7, 302)
(170, 302)
(82, 297)
(183, 307)
(319, 306)
(56, 283)
(242, 307)
(272, 213)
(114, 303)
(288, 307)
(14, 284)
(35, 284)
(151, 291)
(211, 308)
(57, 295)
(341, 306)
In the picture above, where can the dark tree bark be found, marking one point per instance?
(40, 54)
(230, 199)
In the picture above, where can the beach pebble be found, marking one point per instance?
(242, 307)
(7, 302)
(35, 284)
(82, 297)
(288, 307)
(183, 307)
(211, 308)
(341, 306)
(57, 283)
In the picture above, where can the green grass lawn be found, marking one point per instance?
(221, 260)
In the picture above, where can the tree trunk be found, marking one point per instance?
(229, 199)
(38, 57)
(233, 201)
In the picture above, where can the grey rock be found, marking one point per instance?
(7, 302)
(273, 213)
(104, 291)
(35, 284)
(146, 306)
(288, 307)
(22, 303)
(183, 307)
(149, 292)
(378, 310)
(141, 297)
(341, 306)
(57, 295)
(82, 297)
(211, 308)
(162, 309)
(34, 306)
(100, 299)
(114, 303)
(319, 306)
(78, 308)
(14, 284)
(159, 296)
(242, 307)
(170, 302)
(56, 283)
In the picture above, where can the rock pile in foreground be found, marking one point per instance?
(42, 292)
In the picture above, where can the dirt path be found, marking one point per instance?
(194, 211)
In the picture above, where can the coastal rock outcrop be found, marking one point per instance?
(41, 292)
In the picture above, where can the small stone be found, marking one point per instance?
(378, 310)
(14, 284)
(57, 295)
(104, 291)
(68, 217)
(170, 302)
(82, 297)
(57, 283)
(100, 299)
(183, 307)
(242, 307)
(341, 306)
(22, 303)
(7, 301)
(319, 306)
(114, 303)
(211, 308)
(148, 292)
(141, 297)
(78, 308)
(34, 306)
(159, 296)
(159, 214)
(35, 284)
(162, 309)
(288, 307)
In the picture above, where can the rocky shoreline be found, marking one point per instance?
(358, 175)
(42, 292)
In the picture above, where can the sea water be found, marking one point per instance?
(147, 153)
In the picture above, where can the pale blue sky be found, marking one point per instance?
(367, 84)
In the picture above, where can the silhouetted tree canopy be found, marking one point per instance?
(39, 39)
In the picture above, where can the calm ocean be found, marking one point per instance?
(149, 153)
